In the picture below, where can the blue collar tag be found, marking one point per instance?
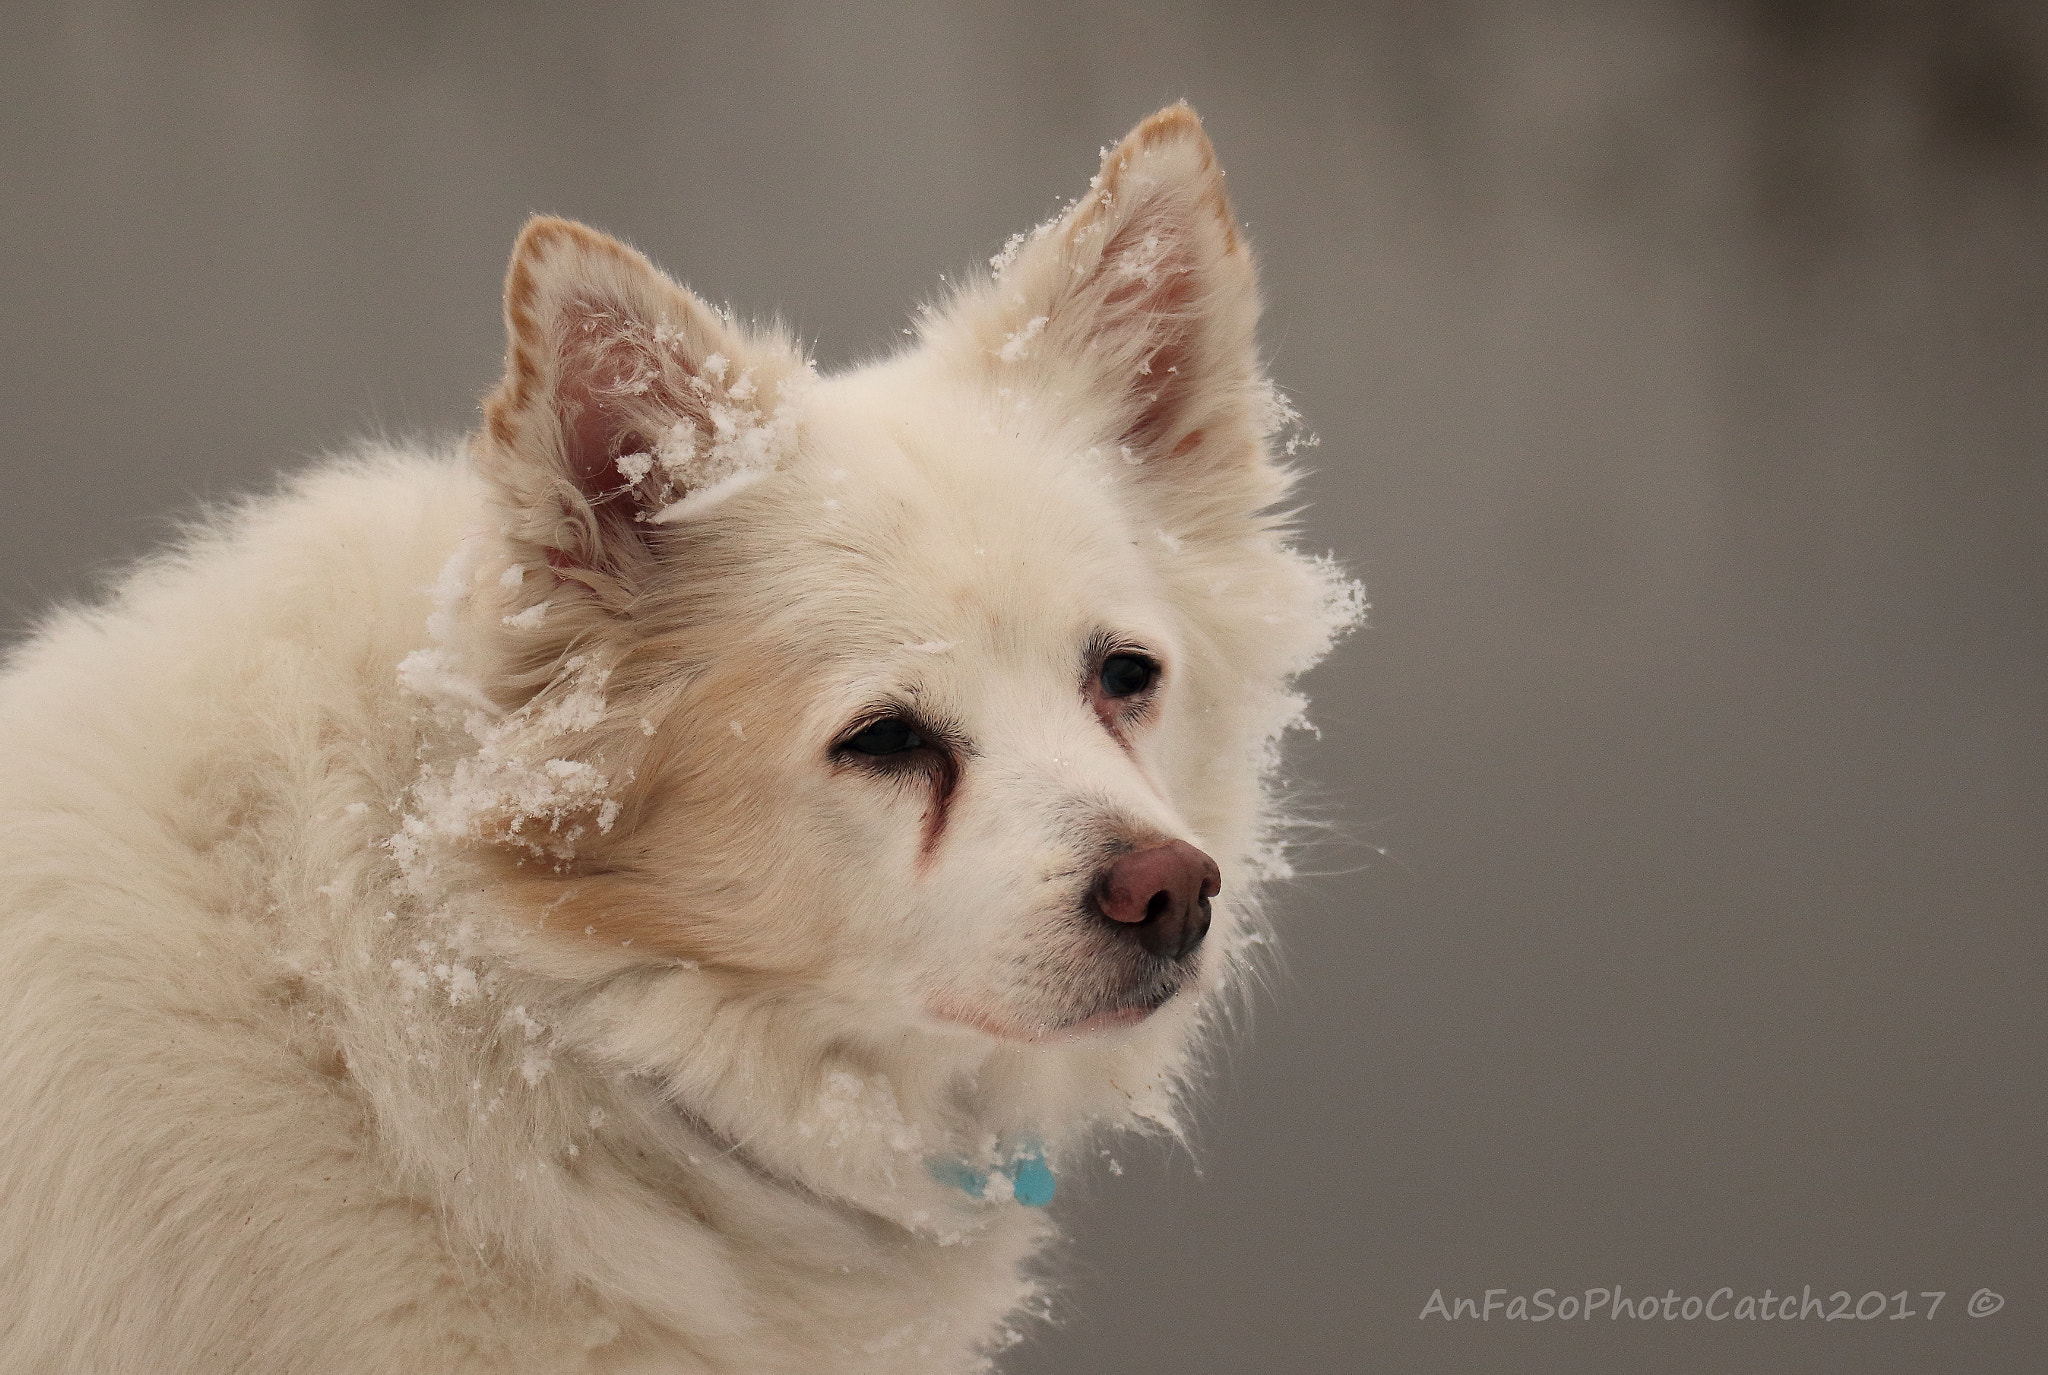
(1031, 1181)
(1027, 1178)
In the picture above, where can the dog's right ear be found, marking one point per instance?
(626, 403)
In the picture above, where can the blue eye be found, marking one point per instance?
(893, 735)
(1125, 675)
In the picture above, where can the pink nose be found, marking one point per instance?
(1163, 893)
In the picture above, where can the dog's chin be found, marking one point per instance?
(1097, 1023)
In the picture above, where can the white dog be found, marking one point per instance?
(671, 887)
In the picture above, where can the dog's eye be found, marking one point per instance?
(892, 735)
(1124, 675)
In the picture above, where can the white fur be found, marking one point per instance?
(436, 937)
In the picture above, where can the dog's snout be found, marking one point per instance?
(1162, 894)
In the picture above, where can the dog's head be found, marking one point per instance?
(936, 698)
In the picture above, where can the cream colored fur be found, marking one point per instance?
(436, 933)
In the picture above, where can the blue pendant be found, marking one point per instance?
(1030, 1179)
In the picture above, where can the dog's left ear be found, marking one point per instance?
(1142, 297)
(626, 404)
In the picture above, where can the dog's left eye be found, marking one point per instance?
(1125, 675)
(893, 735)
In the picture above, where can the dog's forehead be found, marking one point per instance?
(949, 523)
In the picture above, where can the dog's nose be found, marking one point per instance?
(1162, 892)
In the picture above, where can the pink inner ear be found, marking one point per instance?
(612, 373)
(592, 438)
(621, 382)
(1154, 293)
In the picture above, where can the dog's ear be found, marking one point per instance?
(1142, 296)
(626, 403)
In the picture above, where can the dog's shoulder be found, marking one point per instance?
(199, 764)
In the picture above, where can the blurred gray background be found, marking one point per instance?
(1682, 374)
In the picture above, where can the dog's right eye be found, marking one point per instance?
(893, 735)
